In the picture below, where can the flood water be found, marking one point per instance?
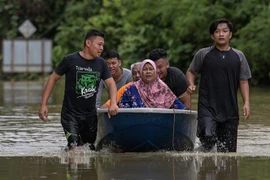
(32, 149)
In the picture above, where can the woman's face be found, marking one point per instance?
(148, 73)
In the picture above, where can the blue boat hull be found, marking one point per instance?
(147, 129)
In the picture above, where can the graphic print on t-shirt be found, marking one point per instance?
(86, 83)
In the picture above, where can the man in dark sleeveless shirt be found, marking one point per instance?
(83, 71)
(223, 70)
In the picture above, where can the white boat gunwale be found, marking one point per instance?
(151, 110)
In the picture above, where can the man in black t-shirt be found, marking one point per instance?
(223, 70)
(83, 71)
(172, 76)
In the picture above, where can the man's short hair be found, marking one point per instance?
(93, 33)
(134, 64)
(111, 54)
(215, 24)
(158, 53)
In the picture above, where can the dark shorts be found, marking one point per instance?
(224, 134)
(79, 130)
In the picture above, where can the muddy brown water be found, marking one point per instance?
(31, 149)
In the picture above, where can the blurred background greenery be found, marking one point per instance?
(135, 27)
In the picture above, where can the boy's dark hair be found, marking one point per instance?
(111, 54)
(93, 33)
(214, 25)
(158, 53)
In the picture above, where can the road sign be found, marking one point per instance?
(27, 29)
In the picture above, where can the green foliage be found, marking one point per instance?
(135, 27)
(45, 15)
(71, 31)
(254, 41)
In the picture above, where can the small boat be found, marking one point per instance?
(147, 130)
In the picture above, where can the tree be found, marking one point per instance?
(76, 20)
(254, 41)
(135, 27)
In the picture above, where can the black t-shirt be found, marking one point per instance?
(82, 78)
(176, 81)
(221, 72)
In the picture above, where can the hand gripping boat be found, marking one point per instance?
(147, 130)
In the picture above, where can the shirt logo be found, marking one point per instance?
(86, 84)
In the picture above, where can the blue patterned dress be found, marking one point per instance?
(131, 99)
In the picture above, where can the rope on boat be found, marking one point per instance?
(190, 103)
(173, 129)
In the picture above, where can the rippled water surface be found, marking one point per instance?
(31, 149)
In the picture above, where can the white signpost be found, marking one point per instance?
(27, 29)
(27, 55)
